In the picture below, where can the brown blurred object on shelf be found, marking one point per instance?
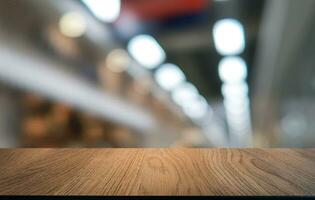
(162, 112)
(65, 46)
(123, 137)
(112, 82)
(35, 127)
(191, 137)
(93, 130)
(60, 113)
(93, 134)
(117, 61)
(139, 94)
(32, 102)
(59, 122)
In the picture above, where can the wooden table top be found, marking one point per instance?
(165, 171)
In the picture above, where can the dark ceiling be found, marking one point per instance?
(184, 31)
(182, 27)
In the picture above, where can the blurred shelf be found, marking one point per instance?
(25, 67)
(174, 171)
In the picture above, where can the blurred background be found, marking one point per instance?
(157, 73)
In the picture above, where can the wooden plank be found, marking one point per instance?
(157, 171)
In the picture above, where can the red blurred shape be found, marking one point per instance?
(161, 9)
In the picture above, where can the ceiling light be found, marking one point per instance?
(146, 50)
(184, 93)
(239, 112)
(236, 103)
(232, 69)
(105, 10)
(72, 24)
(228, 37)
(230, 90)
(196, 109)
(168, 76)
(236, 107)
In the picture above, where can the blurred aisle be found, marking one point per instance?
(154, 73)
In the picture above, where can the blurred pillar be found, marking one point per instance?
(284, 27)
(9, 136)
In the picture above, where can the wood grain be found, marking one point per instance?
(173, 171)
